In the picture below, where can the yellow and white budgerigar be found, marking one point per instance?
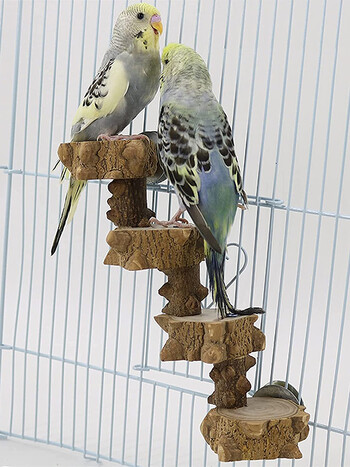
(126, 82)
(196, 148)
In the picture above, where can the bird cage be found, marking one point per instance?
(79, 348)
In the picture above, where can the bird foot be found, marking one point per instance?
(104, 137)
(175, 221)
(241, 206)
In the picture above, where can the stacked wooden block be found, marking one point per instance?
(237, 428)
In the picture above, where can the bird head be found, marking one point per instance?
(138, 26)
(183, 64)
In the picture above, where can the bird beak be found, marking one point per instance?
(156, 23)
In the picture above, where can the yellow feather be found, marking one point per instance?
(117, 86)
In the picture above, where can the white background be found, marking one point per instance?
(289, 116)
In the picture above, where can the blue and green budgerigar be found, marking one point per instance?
(197, 151)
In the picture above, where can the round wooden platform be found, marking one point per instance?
(268, 428)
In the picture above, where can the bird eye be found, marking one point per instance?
(140, 15)
(166, 62)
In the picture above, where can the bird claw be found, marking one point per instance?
(105, 137)
(181, 222)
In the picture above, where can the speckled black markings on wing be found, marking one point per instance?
(180, 144)
(97, 88)
(226, 148)
(177, 152)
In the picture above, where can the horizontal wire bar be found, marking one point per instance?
(107, 370)
(172, 372)
(262, 201)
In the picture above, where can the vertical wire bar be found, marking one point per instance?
(205, 443)
(325, 331)
(211, 33)
(148, 302)
(103, 363)
(227, 28)
(235, 99)
(43, 277)
(248, 128)
(23, 217)
(167, 22)
(82, 267)
(151, 426)
(33, 244)
(51, 341)
(246, 152)
(308, 324)
(115, 361)
(178, 430)
(267, 96)
(9, 176)
(148, 318)
(300, 255)
(129, 365)
(191, 432)
(47, 201)
(182, 21)
(80, 302)
(161, 337)
(278, 151)
(346, 424)
(95, 264)
(91, 319)
(65, 323)
(197, 24)
(165, 425)
(240, 48)
(145, 112)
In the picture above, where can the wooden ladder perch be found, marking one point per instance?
(238, 427)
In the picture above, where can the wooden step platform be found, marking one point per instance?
(148, 247)
(125, 159)
(268, 428)
(208, 338)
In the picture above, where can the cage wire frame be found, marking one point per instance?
(72, 378)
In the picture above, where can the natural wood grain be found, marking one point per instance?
(148, 247)
(210, 339)
(129, 203)
(231, 384)
(125, 159)
(184, 291)
(267, 428)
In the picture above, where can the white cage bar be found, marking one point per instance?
(79, 349)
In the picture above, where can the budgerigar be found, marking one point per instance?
(126, 82)
(196, 148)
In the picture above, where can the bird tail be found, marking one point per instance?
(69, 208)
(215, 266)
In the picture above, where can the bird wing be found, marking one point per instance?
(185, 150)
(103, 96)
